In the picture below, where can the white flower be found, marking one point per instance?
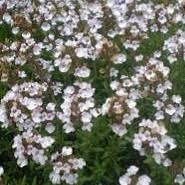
(144, 180)
(139, 58)
(68, 128)
(26, 35)
(114, 85)
(50, 128)
(22, 161)
(55, 177)
(38, 156)
(119, 129)
(81, 52)
(106, 106)
(179, 179)
(37, 49)
(172, 59)
(79, 163)
(67, 151)
(1, 171)
(167, 162)
(170, 109)
(176, 99)
(63, 63)
(22, 74)
(132, 170)
(70, 178)
(167, 143)
(95, 112)
(119, 58)
(7, 18)
(131, 104)
(45, 26)
(86, 117)
(114, 72)
(83, 72)
(69, 90)
(31, 103)
(87, 126)
(46, 141)
(159, 115)
(124, 180)
(3, 115)
(50, 106)
(150, 75)
(15, 30)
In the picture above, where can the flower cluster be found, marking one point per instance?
(122, 107)
(78, 106)
(130, 177)
(31, 145)
(152, 137)
(175, 46)
(64, 166)
(22, 105)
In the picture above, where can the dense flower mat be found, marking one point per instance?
(92, 92)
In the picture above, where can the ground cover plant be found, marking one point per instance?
(92, 92)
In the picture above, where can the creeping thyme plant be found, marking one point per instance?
(92, 92)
